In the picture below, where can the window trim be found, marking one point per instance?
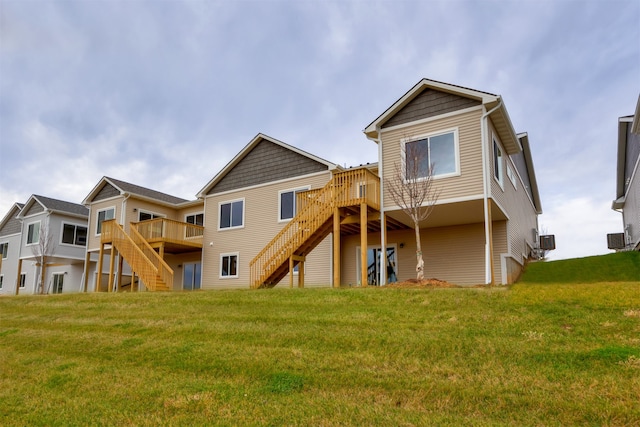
(512, 177)
(498, 162)
(456, 149)
(5, 253)
(231, 202)
(73, 245)
(194, 214)
(98, 218)
(230, 254)
(27, 243)
(295, 191)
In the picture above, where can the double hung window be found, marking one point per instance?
(33, 233)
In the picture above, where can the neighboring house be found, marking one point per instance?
(627, 199)
(136, 233)
(63, 225)
(250, 201)
(10, 242)
(484, 226)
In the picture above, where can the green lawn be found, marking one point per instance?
(533, 354)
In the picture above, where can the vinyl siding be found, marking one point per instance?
(260, 226)
(34, 209)
(93, 240)
(469, 182)
(631, 211)
(13, 225)
(454, 254)
(64, 250)
(106, 192)
(10, 264)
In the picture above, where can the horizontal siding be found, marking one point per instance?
(13, 225)
(631, 211)
(454, 254)
(260, 226)
(469, 183)
(10, 264)
(93, 241)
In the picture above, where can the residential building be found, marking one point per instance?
(43, 244)
(627, 199)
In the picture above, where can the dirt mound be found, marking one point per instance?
(425, 283)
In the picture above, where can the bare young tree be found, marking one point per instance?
(42, 251)
(411, 188)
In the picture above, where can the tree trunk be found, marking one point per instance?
(419, 260)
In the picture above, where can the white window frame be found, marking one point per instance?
(498, 162)
(230, 254)
(29, 234)
(5, 252)
(295, 191)
(1, 281)
(23, 281)
(456, 148)
(512, 176)
(75, 233)
(231, 202)
(195, 214)
(98, 223)
(153, 215)
(53, 282)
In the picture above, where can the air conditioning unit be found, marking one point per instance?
(548, 242)
(615, 241)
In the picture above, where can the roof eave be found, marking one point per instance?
(526, 151)
(622, 152)
(635, 126)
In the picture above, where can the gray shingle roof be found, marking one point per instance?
(62, 206)
(146, 192)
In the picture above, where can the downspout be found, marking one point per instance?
(485, 183)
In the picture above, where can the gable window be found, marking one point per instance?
(435, 154)
(288, 208)
(229, 265)
(196, 219)
(232, 214)
(74, 235)
(33, 233)
(23, 280)
(104, 215)
(4, 249)
(497, 162)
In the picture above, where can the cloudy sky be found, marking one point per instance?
(164, 93)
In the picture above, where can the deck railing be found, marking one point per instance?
(170, 231)
(140, 256)
(315, 207)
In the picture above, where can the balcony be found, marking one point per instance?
(173, 236)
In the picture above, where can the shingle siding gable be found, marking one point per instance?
(267, 162)
(430, 103)
(106, 192)
(35, 208)
(12, 226)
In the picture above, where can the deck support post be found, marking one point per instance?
(336, 248)
(19, 276)
(363, 245)
(112, 261)
(87, 264)
(100, 262)
(490, 233)
(383, 254)
(120, 264)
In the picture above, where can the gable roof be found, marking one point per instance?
(248, 149)
(493, 103)
(126, 188)
(55, 206)
(11, 214)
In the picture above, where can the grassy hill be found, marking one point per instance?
(617, 267)
(543, 354)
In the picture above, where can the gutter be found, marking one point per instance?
(485, 183)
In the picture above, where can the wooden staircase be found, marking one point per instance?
(313, 223)
(141, 257)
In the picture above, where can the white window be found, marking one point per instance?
(197, 219)
(287, 202)
(1, 280)
(512, 177)
(74, 235)
(497, 162)
(23, 280)
(228, 265)
(4, 249)
(33, 233)
(144, 216)
(58, 281)
(104, 215)
(435, 154)
(232, 214)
